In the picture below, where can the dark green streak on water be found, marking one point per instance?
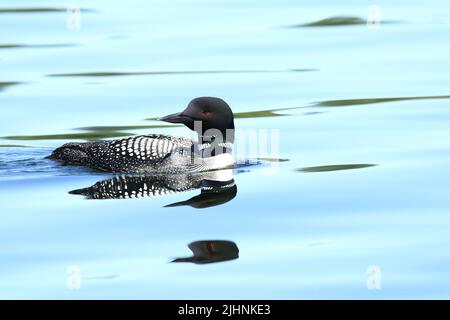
(158, 73)
(312, 113)
(263, 113)
(37, 10)
(4, 85)
(153, 73)
(34, 46)
(257, 114)
(13, 146)
(335, 167)
(352, 102)
(84, 136)
(335, 21)
(339, 21)
(31, 10)
(253, 114)
(328, 103)
(273, 159)
(303, 70)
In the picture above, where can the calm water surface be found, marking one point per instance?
(365, 139)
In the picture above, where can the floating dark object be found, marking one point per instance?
(209, 251)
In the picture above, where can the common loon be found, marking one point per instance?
(211, 118)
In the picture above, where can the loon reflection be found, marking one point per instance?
(216, 188)
(209, 251)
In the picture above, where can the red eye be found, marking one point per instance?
(205, 113)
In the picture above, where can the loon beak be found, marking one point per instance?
(176, 118)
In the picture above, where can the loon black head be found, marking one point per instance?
(208, 116)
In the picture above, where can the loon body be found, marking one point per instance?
(211, 118)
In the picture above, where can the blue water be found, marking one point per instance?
(303, 231)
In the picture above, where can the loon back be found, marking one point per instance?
(141, 154)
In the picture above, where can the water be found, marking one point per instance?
(364, 141)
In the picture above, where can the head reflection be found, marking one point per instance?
(209, 251)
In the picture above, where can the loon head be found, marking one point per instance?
(208, 116)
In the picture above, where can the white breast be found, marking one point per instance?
(218, 175)
(220, 161)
